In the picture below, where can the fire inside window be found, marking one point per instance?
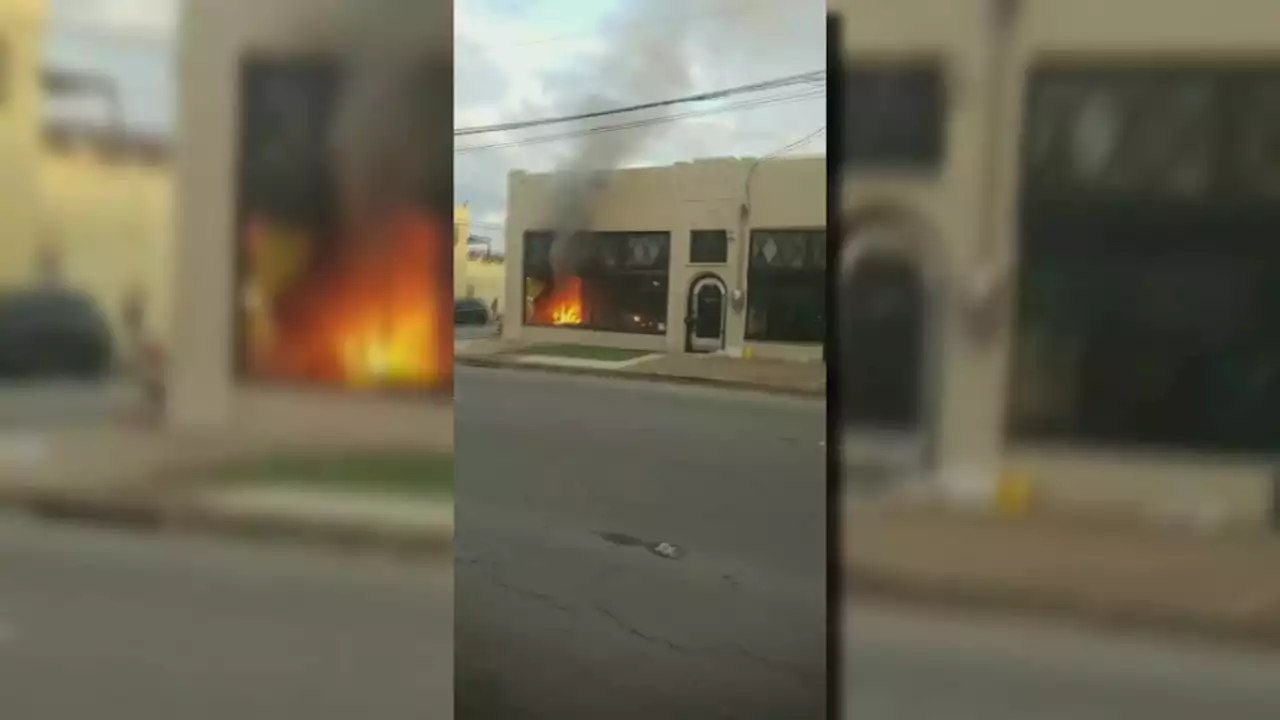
(611, 281)
(340, 295)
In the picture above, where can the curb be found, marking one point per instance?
(157, 512)
(691, 380)
(876, 584)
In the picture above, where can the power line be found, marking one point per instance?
(797, 144)
(648, 122)
(809, 78)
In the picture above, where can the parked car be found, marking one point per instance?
(53, 333)
(470, 311)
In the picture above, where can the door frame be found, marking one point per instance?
(690, 317)
(887, 231)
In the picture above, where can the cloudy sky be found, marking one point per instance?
(528, 59)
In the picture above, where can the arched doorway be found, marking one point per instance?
(705, 314)
(881, 339)
(889, 302)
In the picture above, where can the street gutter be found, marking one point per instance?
(626, 374)
(195, 511)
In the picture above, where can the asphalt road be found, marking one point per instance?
(912, 665)
(566, 485)
(106, 625)
(95, 624)
(554, 619)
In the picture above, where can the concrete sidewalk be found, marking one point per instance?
(806, 379)
(345, 519)
(146, 478)
(1147, 577)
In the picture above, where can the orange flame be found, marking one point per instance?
(381, 318)
(562, 305)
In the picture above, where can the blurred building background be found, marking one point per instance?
(461, 234)
(86, 204)
(478, 271)
(484, 275)
(21, 117)
(1061, 251)
(107, 201)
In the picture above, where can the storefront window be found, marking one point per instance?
(786, 286)
(609, 281)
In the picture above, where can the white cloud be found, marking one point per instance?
(141, 19)
(539, 64)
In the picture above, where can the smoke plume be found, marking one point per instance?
(647, 60)
(396, 104)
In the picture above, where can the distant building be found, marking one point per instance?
(461, 232)
(485, 277)
(22, 27)
(107, 207)
(87, 205)
(726, 254)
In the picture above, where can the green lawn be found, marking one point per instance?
(412, 474)
(585, 352)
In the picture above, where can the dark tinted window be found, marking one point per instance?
(709, 246)
(1124, 132)
(893, 116)
(1148, 263)
(786, 286)
(881, 333)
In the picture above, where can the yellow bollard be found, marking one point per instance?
(1013, 495)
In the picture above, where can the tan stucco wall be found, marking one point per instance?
(487, 280)
(21, 108)
(204, 396)
(461, 231)
(113, 221)
(785, 193)
(972, 202)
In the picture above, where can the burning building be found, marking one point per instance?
(313, 237)
(646, 258)
(345, 278)
(659, 262)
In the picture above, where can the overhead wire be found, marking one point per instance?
(812, 77)
(797, 144)
(648, 122)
